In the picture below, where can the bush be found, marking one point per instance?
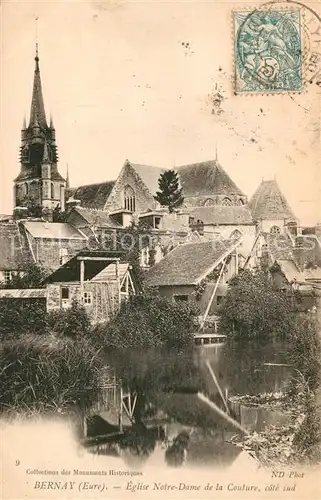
(253, 308)
(70, 322)
(18, 317)
(48, 374)
(149, 321)
(305, 348)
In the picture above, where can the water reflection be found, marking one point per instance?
(169, 423)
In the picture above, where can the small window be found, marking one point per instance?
(7, 276)
(226, 202)
(275, 230)
(209, 202)
(88, 298)
(181, 298)
(219, 299)
(65, 293)
(157, 221)
(63, 255)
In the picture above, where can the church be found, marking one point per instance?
(214, 206)
(39, 181)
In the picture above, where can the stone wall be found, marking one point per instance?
(48, 251)
(105, 298)
(209, 200)
(144, 199)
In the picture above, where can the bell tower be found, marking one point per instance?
(39, 183)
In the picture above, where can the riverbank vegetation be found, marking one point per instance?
(51, 361)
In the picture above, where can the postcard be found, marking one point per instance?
(160, 249)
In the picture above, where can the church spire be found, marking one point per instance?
(37, 111)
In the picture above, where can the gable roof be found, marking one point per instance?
(220, 214)
(94, 195)
(269, 203)
(14, 250)
(189, 263)
(149, 175)
(207, 177)
(96, 217)
(52, 230)
(70, 270)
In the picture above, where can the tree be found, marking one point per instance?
(29, 275)
(148, 321)
(169, 194)
(254, 308)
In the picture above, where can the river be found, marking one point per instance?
(182, 428)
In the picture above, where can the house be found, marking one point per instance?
(14, 251)
(225, 221)
(52, 243)
(197, 272)
(98, 280)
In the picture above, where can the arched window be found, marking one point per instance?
(52, 191)
(275, 230)
(240, 202)
(226, 202)
(129, 199)
(26, 189)
(209, 202)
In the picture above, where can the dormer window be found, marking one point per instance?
(129, 199)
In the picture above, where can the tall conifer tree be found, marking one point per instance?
(170, 194)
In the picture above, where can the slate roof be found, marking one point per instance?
(94, 195)
(97, 217)
(52, 230)
(187, 263)
(220, 214)
(14, 251)
(148, 174)
(207, 177)
(269, 203)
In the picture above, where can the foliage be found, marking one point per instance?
(31, 275)
(149, 321)
(48, 374)
(72, 322)
(169, 194)
(254, 308)
(59, 215)
(32, 208)
(307, 441)
(305, 348)
(18, 317)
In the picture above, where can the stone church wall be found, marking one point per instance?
(144, 200)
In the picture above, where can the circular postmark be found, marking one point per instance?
(277, 47)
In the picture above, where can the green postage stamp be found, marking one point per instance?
(268, 50)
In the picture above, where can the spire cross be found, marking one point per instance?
(36, 21)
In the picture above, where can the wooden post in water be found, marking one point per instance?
(222, 413)
(217, 385)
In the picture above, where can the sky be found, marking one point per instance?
(133, 80)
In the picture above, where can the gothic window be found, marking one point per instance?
(275, 230)
(226, 202)
(129, 199)
(26, 189)
(52, 190)
(240, 202)
(209, 202)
